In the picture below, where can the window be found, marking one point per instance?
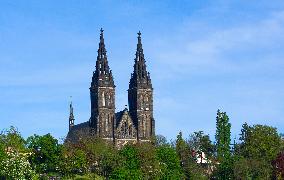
(106, 126)
(103, 99)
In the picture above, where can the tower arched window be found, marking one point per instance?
(144, 126)
(103, 99)
(141, 102)
(109, 100)
(106, 124)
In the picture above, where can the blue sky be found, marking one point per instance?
(202, 55)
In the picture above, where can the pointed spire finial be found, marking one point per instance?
(102, 31)
(71, 108)
(101, 35)
(70, 102)
(139, 44)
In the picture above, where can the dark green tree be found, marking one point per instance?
(188, 162)
(257, 151)
(129, 164)
(73, 161)
(260, 142)
(160, 140)
(279, 165)
(46, 153)
(200, 142)
(101, 155)
(11, 139)
(251, 169)
(149, 163)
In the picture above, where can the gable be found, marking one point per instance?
(125, 127)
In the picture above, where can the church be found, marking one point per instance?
(133, 125)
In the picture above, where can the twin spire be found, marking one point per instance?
(103, 75)
(140, 77)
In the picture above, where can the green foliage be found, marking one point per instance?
(46, 153)
(73, 161)
(223, 136)
(199, 142)
(17, 166)
(102, 153)
(223, 140)
(129, 165)
(170, 164)
(149, 163)
(188, 163)
(160, 140)
(14, 162)
(257, 156)
(260, 142)
(259, 146)
(279, 165)
(252, 169)
(12, 139)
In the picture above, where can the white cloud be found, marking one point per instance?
(219, 49)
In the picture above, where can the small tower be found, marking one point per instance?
(102, 92)
(71, 117)
(140, 96)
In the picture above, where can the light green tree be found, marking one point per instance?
(14, 162)
(170, 164)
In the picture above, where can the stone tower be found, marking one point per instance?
(102, 92)
(140, 96)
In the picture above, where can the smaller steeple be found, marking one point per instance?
(71, 117)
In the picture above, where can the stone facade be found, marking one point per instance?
(125, 126)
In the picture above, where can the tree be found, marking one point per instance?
(202, 147)
(251, 169)
(170, 164)
(101, 155)
(260, 142)
(199, 142)
(129, 164)
(160, 140)
(223, 140)
(46, 153)
(188, 162)
(73, 161)
(11, 139)
(14, 162)
(149, 163)
(16, 166)
(279, 165)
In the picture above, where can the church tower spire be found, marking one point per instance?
(71, 117)
(140, 76)
(140, 95)
(102, 92)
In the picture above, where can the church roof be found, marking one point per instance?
(78, 131)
